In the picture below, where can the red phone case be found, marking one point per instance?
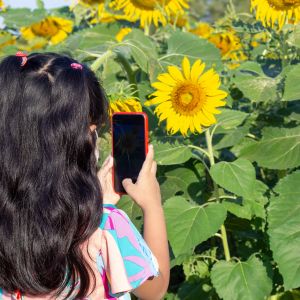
(146, 138)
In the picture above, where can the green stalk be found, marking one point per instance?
(216, 192)
(130, 73)
(101, 60)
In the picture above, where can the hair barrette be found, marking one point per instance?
(24, 57)
(76, 66)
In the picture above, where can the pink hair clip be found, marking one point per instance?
(24, 57)
(76, 66)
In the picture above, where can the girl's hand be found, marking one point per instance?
(146, 191)
(105, 178)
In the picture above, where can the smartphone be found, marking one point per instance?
(129, 146)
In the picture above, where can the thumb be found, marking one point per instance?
(129, 186)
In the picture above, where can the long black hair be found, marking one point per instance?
(50, 196)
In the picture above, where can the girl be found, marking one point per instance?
(61, 235)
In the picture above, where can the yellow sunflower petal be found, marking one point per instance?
(162, 87)
(186, 68)
(197, 70)
(175, 73)
(166, 79)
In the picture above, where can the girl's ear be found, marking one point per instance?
(93, 127)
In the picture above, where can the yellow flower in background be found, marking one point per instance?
(2, 5)
(270, 12)
(202, 29)
(227, 42)
(54, 29)
(99, 13)
(187, 99)
(122, 33)
(150, 11)
(181, 20)
(125, 105)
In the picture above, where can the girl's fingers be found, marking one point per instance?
(154, 167)
(148, 161)
(107, 165)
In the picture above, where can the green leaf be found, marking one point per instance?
(230, 118)
(19, 17)
(93, 39)
(238, 176)
(182, 180)
(278, 149)
(171, 154)
(196, 266)
(284, 229)
(236, 207)
(255, 85)
(189, 225)
(241, 280)
(247, 208)
(182, 44)
(194, 289)
(292, 90)
(294, 38)
(142, 48)
(231, 137)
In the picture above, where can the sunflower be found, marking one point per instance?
(230, 46)
(180, 20)
(122, 33)
(281, 11)
(202, 29)
(2, 5)
(125, 105)
(187, 98)
(54, 29)
(150, 11)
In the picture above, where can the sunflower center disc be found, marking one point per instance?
(284, 4)
(46, 28)
(188, 99)
(149, 4)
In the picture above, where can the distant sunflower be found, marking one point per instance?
(150, 11)
(202, 29)
(187, 99)
(2, 5)
(54, 29)
(230, 46)
(281, 11)
(125, 105)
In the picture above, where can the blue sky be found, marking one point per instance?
(32, 3)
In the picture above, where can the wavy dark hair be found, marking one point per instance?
(50, 196)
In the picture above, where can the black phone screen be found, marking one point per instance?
(128, 147)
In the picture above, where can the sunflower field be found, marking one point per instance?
(220, 82)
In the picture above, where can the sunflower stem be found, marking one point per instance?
(101, 60)
(211, 157)
(130, 73)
